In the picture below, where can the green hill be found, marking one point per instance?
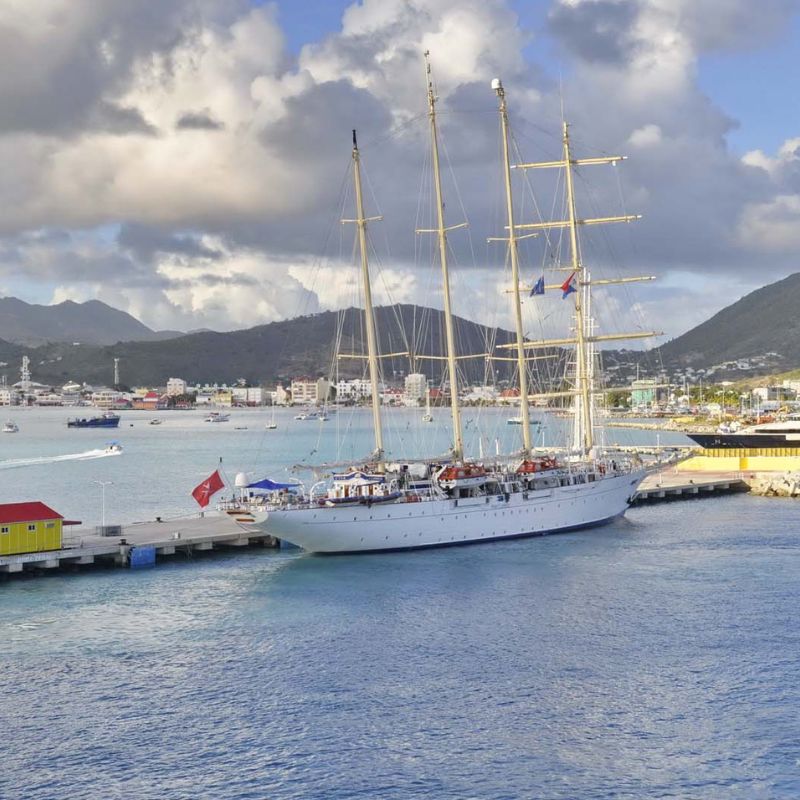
(764, 321)
(279, 350)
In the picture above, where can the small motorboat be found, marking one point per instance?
(240, 427)
(10, 427)
(155, 421)
(113, 447)
(216, 416)
(271, 426)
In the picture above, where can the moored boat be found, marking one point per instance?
(784, 434)
(217, 416)
(10, 427)
(107, 420)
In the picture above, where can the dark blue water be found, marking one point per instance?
(655, 657)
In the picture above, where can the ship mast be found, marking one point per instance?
(584, 424)
(369, 314)
(514, 255)
(585, 338)
(441, 235)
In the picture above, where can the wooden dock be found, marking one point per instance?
(143, 542)
(671, 485)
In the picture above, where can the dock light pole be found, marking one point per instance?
(103, 484)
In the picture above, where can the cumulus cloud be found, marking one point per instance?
(175, 160)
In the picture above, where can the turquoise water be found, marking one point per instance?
(653, 657)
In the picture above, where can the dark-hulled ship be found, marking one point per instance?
(785, 435)
(107, 420)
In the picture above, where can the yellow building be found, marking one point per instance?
(29, 528)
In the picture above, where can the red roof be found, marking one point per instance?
(26, 512)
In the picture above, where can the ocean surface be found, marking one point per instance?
(658, 656)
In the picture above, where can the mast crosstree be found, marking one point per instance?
(584, 338)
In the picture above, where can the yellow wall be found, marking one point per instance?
(45, 536)
(741, 461)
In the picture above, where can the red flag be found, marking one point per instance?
(568, 286)
(210, 486)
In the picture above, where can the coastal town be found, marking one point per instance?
(643, 396)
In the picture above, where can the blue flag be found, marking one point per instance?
(538, 287)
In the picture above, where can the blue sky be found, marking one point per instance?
(759, 89)
(753, 87)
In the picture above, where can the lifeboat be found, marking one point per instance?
(532, 466)
(461, 476)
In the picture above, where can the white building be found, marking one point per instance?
(281, 396)
(108, 398)
(307, 391)
(8, 397)
(176, 387)
(353, 391)
(248, 395)
(481, 394)
(416, 387)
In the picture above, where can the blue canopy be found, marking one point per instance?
(271, 486)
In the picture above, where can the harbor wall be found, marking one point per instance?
(740, 463)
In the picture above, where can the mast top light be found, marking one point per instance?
(497, 84)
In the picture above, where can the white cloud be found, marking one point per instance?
(646, 136)
(253, 177)
(772, 227)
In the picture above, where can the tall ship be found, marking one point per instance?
(106, 420)
(382, 504)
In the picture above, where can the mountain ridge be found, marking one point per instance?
(761, 322)
(90, 322)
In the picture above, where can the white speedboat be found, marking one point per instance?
(155, 421)
(379, 505)
(113, 448)
(217, 416)
(10, 427)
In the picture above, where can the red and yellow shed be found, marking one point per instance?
(29, 528)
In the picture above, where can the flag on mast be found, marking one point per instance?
(538, 287)
(203, 492)
(568, 287)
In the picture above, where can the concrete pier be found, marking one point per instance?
(169, 538)
(671, 485)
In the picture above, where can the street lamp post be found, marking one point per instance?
(103, 484)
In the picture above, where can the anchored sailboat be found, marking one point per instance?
(427, 416)
(383, 506)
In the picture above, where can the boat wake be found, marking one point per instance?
(88, 455)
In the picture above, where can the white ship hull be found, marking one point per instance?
(439, 523)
